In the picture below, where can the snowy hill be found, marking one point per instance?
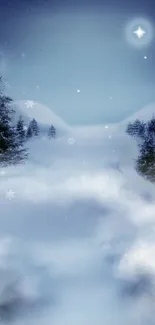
(43, 115)
(143, 114)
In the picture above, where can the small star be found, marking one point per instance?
(29, 103)
(78, 90)
(139, 32)
(10, 194)
(71, 141)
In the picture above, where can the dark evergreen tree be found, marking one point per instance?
(11, 151)
(136, 129)
(20, 130)
(145, 163)
(52, 132)
(34, 128)
(29, 133)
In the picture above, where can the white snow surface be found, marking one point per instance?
(77, 240)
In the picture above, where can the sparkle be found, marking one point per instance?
(78, 90)
(29, 103)
(145, 57)
(139, 32)
(71, 141)
(10, 194)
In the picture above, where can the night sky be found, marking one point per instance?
(51, 49)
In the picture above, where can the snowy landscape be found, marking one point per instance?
(77, 228)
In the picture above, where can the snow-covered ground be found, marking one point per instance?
(77, 234)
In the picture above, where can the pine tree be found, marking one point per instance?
(20, 130)
(145, 164)
(29, 133)
(52, 132)
(11, 151)
(136, 129)
(33, 130)
(34, 127)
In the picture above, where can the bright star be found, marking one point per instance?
(139, 32)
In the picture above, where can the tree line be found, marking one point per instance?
(32, 130)
(13, 138)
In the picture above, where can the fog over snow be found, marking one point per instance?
(77, 235)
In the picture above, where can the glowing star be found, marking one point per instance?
(29, 103)
(10, 194)
(139, 32)
(145, 57)
(78, 90)
(71, 141)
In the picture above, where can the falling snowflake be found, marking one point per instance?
(110, 97)
(78, 90)
(29, 103)
(38, 87)
(110, 136)
(71, 141)
(23, 55)
(145, 57)
(10, 194)
(106, 126)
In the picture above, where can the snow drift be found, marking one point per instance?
(77, 238)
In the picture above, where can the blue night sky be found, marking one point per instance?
(50, 49)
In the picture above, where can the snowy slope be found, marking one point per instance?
(75, 234)
(43, 115)
(143, 114)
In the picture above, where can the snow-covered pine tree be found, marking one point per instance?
(20, 130)
(29, 132)
(52, 132)
(34, 127)
(11, 151)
